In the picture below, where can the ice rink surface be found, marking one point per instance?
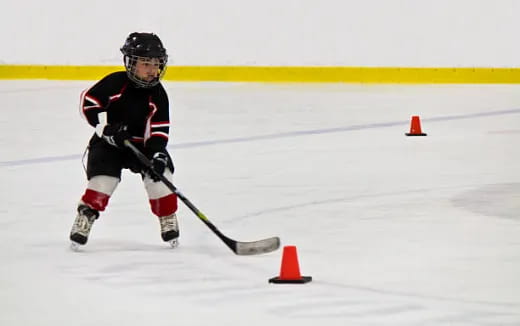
(394, 230)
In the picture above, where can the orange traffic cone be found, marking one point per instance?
(415, 127)
(290, 270)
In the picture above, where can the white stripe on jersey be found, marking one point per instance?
(160, 125)
(92, 100)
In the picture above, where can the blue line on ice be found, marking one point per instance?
(50, 159)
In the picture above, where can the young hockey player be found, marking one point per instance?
(131, 105)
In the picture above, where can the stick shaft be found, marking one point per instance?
(232, 244)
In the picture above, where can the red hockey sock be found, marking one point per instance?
(95, 199)
(164, 206)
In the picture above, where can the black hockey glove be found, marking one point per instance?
(116, 135)
(159, 162)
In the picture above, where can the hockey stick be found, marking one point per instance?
(238, 247)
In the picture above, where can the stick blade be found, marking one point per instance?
(257, 247)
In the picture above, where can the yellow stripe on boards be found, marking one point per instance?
(383, 75)
(345, 74)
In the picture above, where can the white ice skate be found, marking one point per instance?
(170, 229)
(82, 226)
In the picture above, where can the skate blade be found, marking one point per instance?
(174, 243)
(74, 246)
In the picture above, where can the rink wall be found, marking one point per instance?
(373, 41)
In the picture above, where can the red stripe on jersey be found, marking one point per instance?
(164, 123)
(81, 97)
(148, 127)
(117, 96)
(159, 134)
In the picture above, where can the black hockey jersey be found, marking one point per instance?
(145, 111)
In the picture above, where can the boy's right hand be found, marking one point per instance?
(116, 134)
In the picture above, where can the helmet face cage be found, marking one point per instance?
(131, 67)
(145, 48)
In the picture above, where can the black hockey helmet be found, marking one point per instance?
(144, 46)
